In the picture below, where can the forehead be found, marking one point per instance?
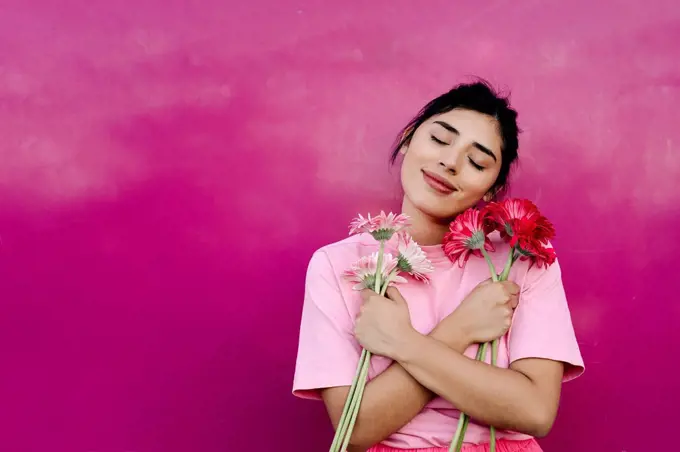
(473, 126)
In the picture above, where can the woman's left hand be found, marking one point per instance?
(383, 324)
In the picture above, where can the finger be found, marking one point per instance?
(485, 282)
(394, 294)
(514, 301)
(366, 294)
(511, 287)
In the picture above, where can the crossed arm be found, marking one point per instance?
(523, 398)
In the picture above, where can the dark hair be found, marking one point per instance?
(481, 97)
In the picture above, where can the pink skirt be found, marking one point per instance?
(502, 445)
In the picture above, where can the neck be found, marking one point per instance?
(425, 230)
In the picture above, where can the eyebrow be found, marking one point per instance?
(452, 129)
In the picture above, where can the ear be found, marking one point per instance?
(404, 147)
(488, 197)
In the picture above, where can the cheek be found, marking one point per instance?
(476, 184)
(419, 154)
(410, 168)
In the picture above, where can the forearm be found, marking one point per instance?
(394, 398)
(501, 397)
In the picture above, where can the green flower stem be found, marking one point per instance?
(343, 424)
(492, 429)
(461, 441)
(350, 411)
(512, 258)
(387, 283)
(489, 262)
(484, 347)
(459, 436)
(356, 403)
(378, 272)
(460, 433)
(463, 421)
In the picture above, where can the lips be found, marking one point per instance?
(438, 183)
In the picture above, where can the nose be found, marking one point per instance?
(448, 160)
(448, 168)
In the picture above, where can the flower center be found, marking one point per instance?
(404, 264)
(369, 281)
(476, 241)
(383, 234)
(524, 252)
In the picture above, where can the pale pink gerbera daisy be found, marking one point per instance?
(364, 271)
(412, 259)
(381, 227)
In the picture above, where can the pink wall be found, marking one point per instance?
(158, 153)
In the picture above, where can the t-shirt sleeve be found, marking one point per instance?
(327, 350)
(542, 326)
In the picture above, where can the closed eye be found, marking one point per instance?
(476, 165)
(437, 140)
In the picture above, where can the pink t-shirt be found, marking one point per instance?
(328, 353)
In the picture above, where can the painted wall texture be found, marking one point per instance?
(168, 167)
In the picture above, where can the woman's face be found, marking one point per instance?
(451, 162)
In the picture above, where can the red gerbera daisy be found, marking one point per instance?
(522, 225)
(468, 235)
(527, 240)
(505, 216)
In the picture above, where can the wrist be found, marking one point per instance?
(408, 346)
(452, 333)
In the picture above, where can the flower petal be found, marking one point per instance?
(467, 235)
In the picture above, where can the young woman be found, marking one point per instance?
(456, 152)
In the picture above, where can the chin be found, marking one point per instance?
(436, 208)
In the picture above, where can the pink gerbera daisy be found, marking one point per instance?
(412, 259)
(381, 227)
(364, 271)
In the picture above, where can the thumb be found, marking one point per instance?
(366, 294)
(485, 282)
(393, 294)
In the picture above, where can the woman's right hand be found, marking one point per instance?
(486, 313)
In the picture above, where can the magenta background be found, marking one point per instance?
(168, 167)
